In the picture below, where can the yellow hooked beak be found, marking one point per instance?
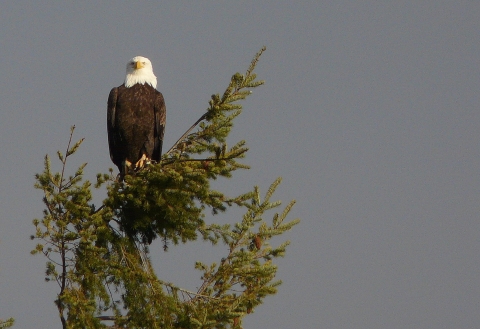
(139, 65)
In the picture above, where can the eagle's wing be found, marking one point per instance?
(160, 119)
(112, 143)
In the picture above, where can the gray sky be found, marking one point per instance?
(370, 113)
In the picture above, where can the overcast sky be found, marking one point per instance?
(370, 113)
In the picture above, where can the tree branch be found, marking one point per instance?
(186, 133)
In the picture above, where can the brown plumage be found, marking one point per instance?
(135, 120)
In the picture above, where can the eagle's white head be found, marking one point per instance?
(139, 70)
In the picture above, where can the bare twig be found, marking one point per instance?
(186, 133)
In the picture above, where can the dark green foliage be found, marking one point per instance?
(99, 256)
(169, 199)
(68, 232)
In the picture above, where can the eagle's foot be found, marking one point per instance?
(140, 164)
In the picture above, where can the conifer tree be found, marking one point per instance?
(99, 256)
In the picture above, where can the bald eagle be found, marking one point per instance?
(136, 118)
